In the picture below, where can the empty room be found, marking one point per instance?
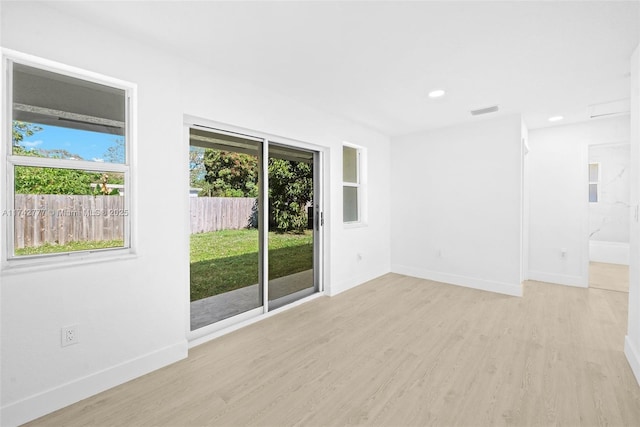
(393, 213)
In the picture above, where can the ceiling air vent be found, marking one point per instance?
(486, 110)
(608, 109)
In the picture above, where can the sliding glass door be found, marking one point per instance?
(291, 225)
(225, 226)
(254, 224)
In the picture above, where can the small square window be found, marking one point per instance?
(594, 182)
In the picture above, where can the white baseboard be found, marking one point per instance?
(633, 356)
(609, 252)
(344, 285)
(513, 289)
(559, 279)
(35, 406)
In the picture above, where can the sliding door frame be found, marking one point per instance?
(216, 329)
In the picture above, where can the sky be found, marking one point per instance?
(90, 146)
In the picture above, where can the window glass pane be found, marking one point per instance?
(593, 193)
(225, 250)
(63, 210)
(65, 117)
(350, 204)
(349, 164)
(593, 172)
(35, 139)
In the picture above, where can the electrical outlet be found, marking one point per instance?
(69, 335)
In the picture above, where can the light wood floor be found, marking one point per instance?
(614, 277)
(398, 351)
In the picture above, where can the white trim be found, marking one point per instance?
(318, 219)
(583, 215)
(66, 260)
(512, 289)
(264, 226)
(256, 135)
(184, 252)
(43, 403)
(559, 279)
(633, 357)
(6, 179)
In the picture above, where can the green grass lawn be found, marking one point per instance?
(222, 261)
(49, 248)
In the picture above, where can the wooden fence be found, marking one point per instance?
(48, 218)
(222, 213)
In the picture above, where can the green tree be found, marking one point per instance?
(20, 130)
(290, 189)
(115, 153)
(231, 174)
(197, 170)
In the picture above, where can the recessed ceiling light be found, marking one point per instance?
(436, 93)
(555, 118)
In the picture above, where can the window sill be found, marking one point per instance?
(23, 266)
(350, 225)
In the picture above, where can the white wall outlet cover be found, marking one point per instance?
(69, 335)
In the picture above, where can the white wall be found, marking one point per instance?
(609, 217)
(132, 313)
(358, 254)
(559, 197)
(456, 205)
(632, 340)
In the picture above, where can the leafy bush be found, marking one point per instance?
(290, 189)
(231, 174)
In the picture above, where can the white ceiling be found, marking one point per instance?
(375, 62)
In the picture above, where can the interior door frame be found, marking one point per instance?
(224, 326)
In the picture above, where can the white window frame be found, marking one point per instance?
(359, 185)
(597, 182)
(8, 259)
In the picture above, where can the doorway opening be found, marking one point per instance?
(609, 202)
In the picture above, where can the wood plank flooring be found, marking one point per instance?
(397, 351)
(614, 277)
